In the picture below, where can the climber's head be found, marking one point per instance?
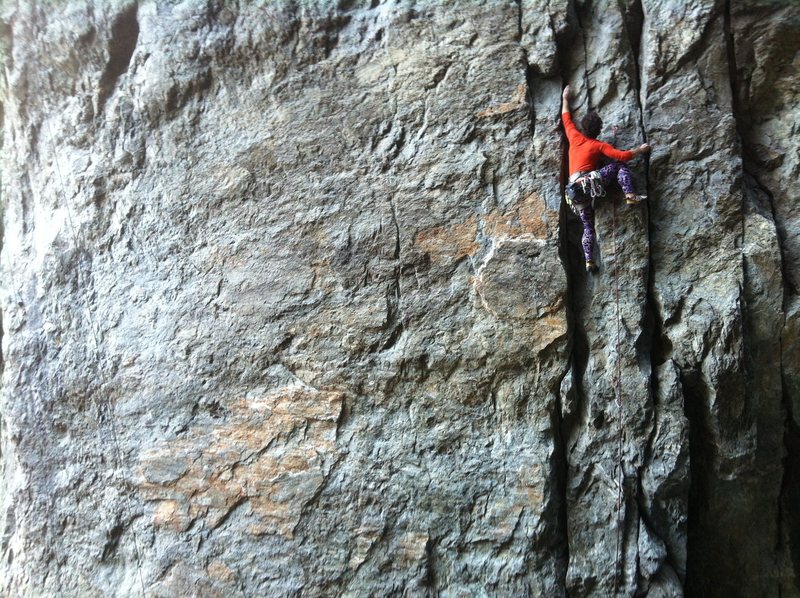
(591, 124)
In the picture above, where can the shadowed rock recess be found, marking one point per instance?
(291, 305)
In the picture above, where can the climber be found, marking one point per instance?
(587, 179)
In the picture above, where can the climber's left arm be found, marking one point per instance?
(610, 151)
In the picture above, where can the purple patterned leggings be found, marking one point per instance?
(616, 171)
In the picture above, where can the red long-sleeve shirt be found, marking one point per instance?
(585, 153)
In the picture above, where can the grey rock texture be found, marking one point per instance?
(291, 305)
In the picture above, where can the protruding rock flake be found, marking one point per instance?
(291, 303)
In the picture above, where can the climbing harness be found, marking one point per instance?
(618, 399)
(582, 189)
(592, 185)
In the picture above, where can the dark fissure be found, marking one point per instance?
(745, 116)
(124, 35)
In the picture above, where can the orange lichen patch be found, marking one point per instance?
(523, 218)
(535, 497)
(267, 459)
(504, 518)
(221, 571)
(495, 518)
(548, 330)
(365, 539)
(186, 580)
(449, 243)
(412, 546)
(530, 480)
(517, 101)
(166, 514)
(557, 323)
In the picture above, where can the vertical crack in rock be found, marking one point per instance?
(578, 352)
(394, 323)
(530, 80)
(539, 74)
(4, 34)
(653, 345)
(701, 450)
(112, 541)
(530, 76)
(6, 515)
(121, 44)
(787, 511)
(790, 490)
(463, 460)
(575, 7)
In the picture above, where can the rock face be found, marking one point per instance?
(292, 306)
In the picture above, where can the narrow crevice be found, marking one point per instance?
(635, 29)
(788, 512)
(741, 119)
(571, 49)
(112, 541)
(395, 325)
(577, 9)
(560, 468)
(2, 248)
(628, 567)
(229, 513)
(577, 348)
(658, 346)
(670, 558)
(121, 45)
(654, 346)
(701, 459)
(750, 171)
(530, 80)
(790, 496)
(430, 578)
(7, 45)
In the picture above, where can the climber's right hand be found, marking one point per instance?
(565, 94)
(643, 149)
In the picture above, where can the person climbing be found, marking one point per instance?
(587, 179)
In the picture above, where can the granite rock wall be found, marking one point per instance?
(291, 304)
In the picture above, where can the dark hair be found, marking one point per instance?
(591, 125)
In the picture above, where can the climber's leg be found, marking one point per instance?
(587, 240)
(617, 171)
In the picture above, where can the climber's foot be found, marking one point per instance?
(632, 199)
(591, 266)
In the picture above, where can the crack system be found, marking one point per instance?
(788, 513)
(653, 345)
(558, 423)
(121, 45)
(649, 349)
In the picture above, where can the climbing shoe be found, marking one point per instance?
(632, 200)
(591, 267)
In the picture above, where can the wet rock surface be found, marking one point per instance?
(291, 304)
